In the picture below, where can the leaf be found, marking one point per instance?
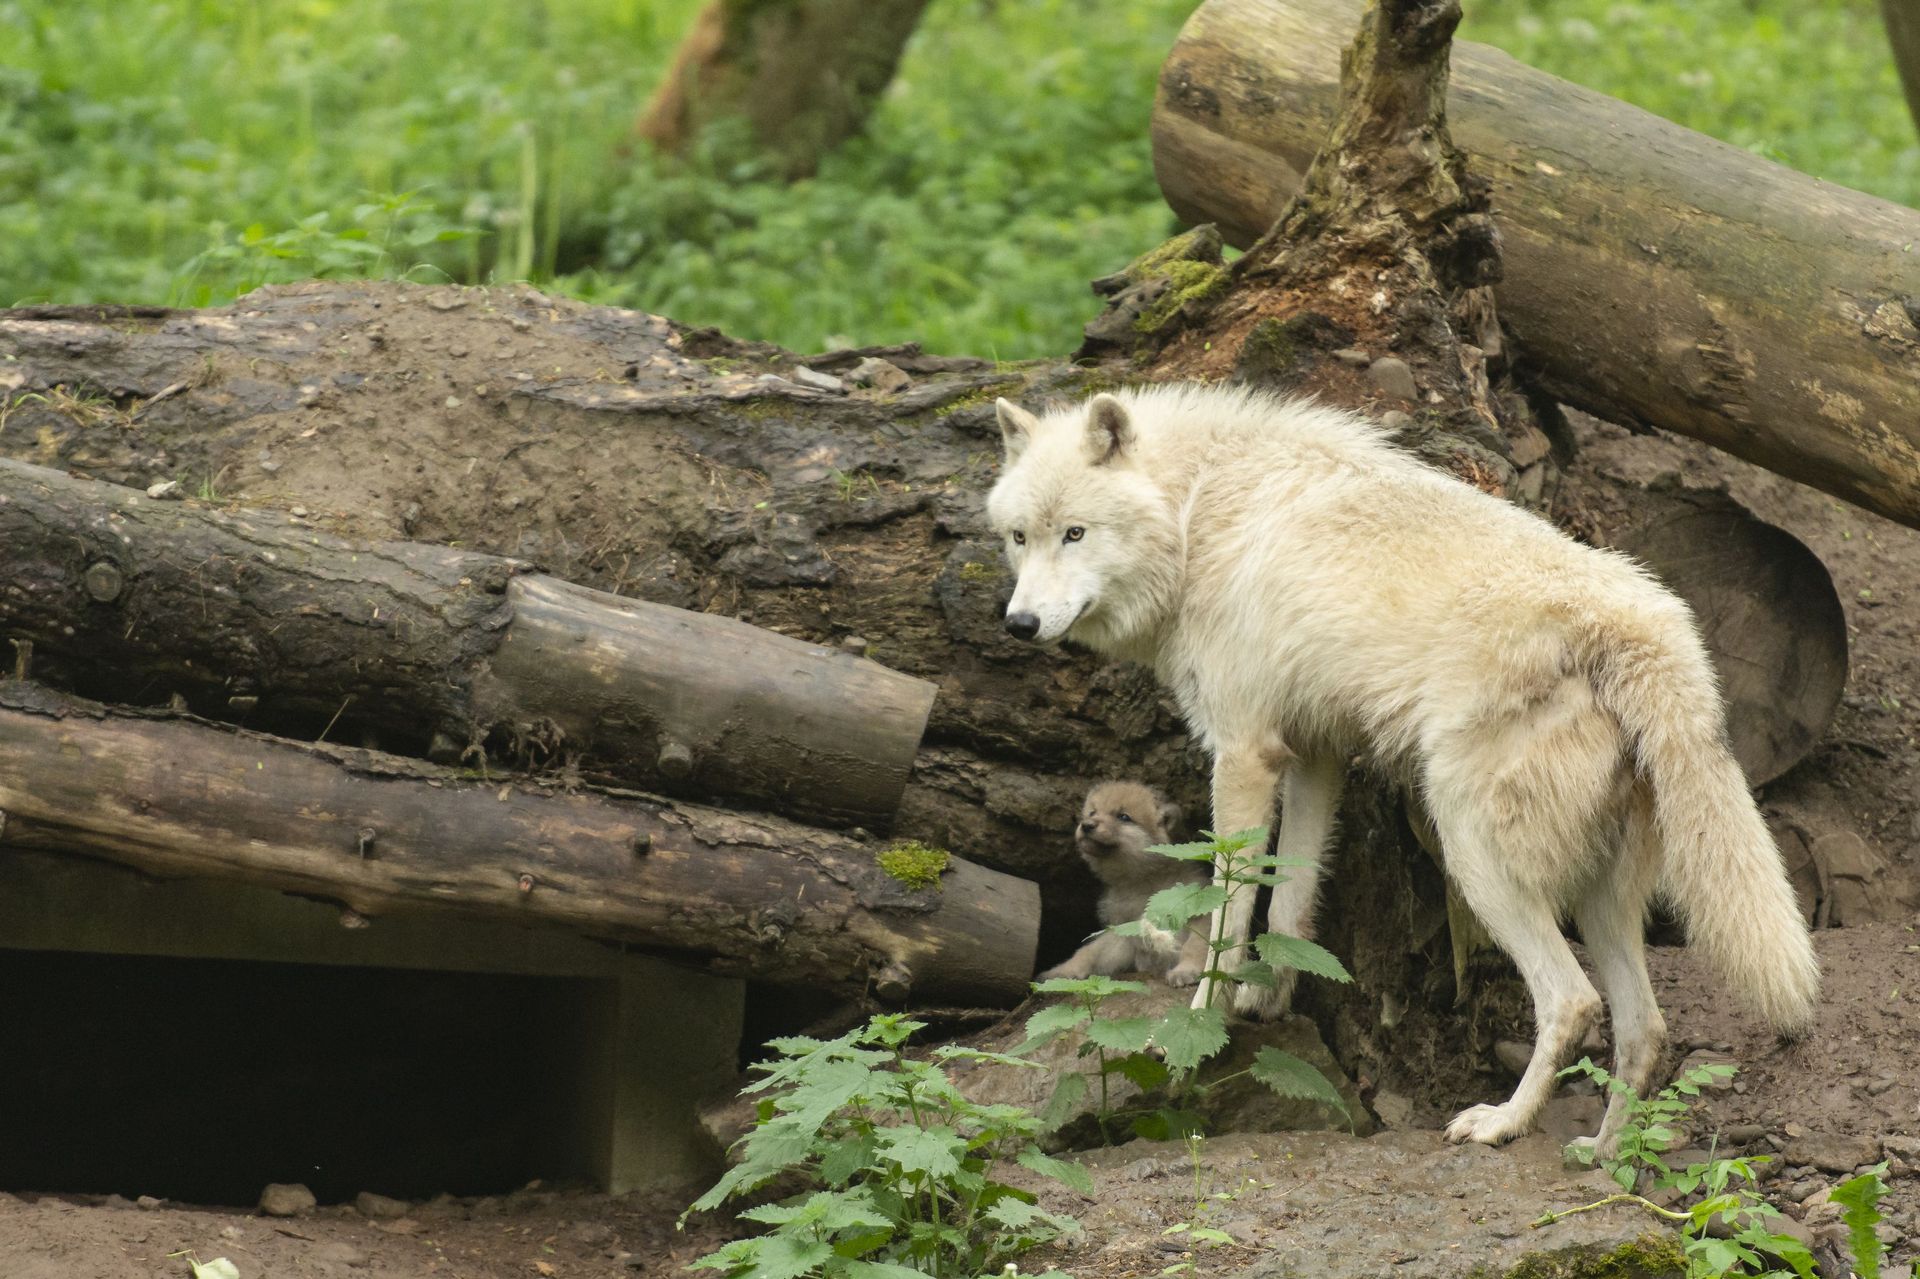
(768, 1257)
(1291, 1076)
(218, 1268)
(1122, 1034)
(1070, 1175)
(1146, 1071)
(1066, 1095)
(1189, 1036)
(1200, 852)
(880, 1270)
(955, 1052)
(934, 1150)
(1296, 952)
(1860, 1196)
(1051, 1023)
(1171, 908)
(1097, 988)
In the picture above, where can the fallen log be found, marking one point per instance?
(1653, 275)
(260, 616)
(746, 895)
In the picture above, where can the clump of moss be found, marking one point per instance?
(914, 864)
(1187, 282)
(975, 572)
(1651, 1257)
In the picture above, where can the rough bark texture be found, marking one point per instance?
(262, 617)
(803, 75)
(1652, 275)
(379, 834)
(625, 453)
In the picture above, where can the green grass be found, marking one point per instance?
(188, 150)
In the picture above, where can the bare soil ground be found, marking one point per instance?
(1316, 1204)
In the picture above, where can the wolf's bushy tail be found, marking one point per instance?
(1721, 866)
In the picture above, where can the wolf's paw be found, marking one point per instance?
(1261, 1003)
(1062, 970)
(1184, 974)
(1490, 1125)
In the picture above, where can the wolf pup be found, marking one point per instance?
(1119, 821)
(1306, 590)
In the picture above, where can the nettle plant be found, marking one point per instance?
(1728, 1228)
(896, 1165)
(1163, 1055)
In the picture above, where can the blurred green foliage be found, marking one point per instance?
(188, 150)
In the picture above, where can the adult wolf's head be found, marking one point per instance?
(1090, 533)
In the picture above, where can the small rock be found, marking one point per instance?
(1395, 1111)
(380, 1206)
(1833, 1153)
(116, 1201)
(1350, 355)
(298, 512)
(148, 1202)
(881, 375)
(168, 490)
(1800, 1191)
(1395, 420)
(855, 644)
(1903, 1154)
(1743, 1134)
(1394, 377)
(403, 1226)
(589, 1235)
(1513, 1055)
(280, 1200)
(341, 1253)
(819, 381)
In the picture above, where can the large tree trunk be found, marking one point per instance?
(261, 617)
(802, 74)
(1652, 275)
(751, 896)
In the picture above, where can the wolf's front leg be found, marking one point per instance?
(1309, 803)
(1244, 779)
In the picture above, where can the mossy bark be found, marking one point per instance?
(802, 74)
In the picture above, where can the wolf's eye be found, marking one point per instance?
(1127, 819)
(1075, 533)
(1019, 539)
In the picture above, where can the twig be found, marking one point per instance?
(1547, 1219)
(335, 720)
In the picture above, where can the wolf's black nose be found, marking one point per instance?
(1023, 625)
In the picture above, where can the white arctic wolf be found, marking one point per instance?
(1306, 590)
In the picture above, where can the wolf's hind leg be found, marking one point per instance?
(1244, 780)
(1612, 919)
(1524, 923)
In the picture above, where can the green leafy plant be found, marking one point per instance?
(1726, 1230)
(1168, 1051)
(897, 1166)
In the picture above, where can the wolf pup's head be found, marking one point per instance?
(1088, 530)
(1117, 824)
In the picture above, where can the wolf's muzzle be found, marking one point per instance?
(1023, 625)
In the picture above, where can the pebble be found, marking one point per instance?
(855, 644)
(1743, 1134)
(165, 489)
(1513, 1054)
(819, 381)
(881, 375)
(1394, 377)
(286, 1200)
(380, 1206)
(340, 1253)
(1833, 1153)
(1354, 356)
(1395, 420)
(148, 1202)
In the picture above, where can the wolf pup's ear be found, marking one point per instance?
(1109, 429)
(1016, 427)
(1170, 815)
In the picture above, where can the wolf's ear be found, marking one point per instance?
(1170, 815)
(1109, 429)
(1016, 427)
